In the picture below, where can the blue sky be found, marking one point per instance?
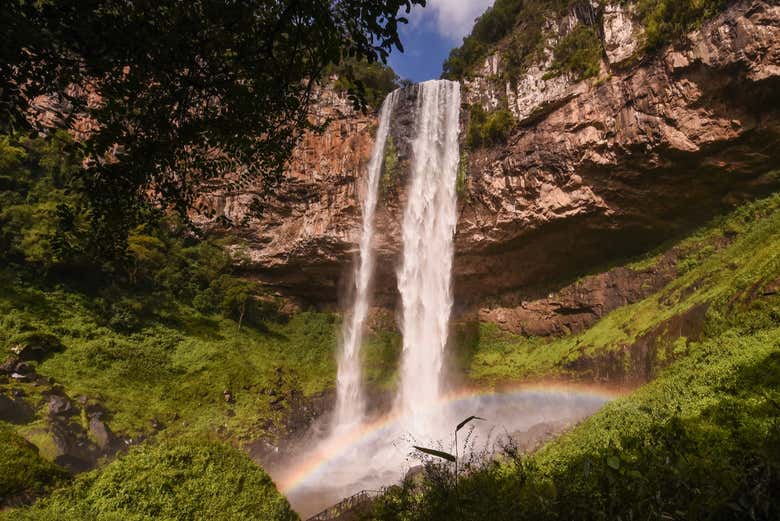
(431, 33)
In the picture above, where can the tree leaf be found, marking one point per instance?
(467, 420)
(437, 453)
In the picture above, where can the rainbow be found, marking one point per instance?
(332, 449)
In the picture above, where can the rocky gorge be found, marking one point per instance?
(593, 170)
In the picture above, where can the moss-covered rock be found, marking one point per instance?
(23, 472)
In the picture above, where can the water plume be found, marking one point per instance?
(350, 402)
(424, 278)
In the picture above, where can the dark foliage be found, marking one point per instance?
(488, 128)
(175, 94)
(373, 79)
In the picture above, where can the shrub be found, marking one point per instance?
(487, 129)
(390, 168)
(377, 80)
(665, 20)
(171, 481)
(578, 53)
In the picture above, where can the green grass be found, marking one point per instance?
(721, 265)
(173, 370)
(23, 472)
(194, 479)
(702, 441)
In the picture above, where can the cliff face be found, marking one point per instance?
(595, 170)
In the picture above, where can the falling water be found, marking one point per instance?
(424, 279)
(362, 454)
(350, 406)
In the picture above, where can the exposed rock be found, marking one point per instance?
(15, 410)
(59, 405)
(99, 432)
(307, 230)
(578, 306)
(598, 170)
(9, 364)
(24, 368)
(628, 163)
(622, 37)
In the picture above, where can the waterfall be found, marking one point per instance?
(424, 278)
(350, 403)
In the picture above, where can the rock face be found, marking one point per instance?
(595, 170)
(308, 231)
(622, 163)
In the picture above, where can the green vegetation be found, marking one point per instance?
(462, 181)
(700, 442)
(515, 29)
(718, 276)
(578, 53)
(525, 17)
(665, 20)
(172, 363)
(23, 472)
(390, 167)
(195, 479)
(159, 336)
(488, 128)
(373, 80)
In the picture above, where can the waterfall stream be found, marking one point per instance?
(424, 278)
(350, 403)
(366, 453)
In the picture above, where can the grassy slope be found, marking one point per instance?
(176, 368)
(169, 481)
(701, 441)
(23, 471)
(720, 276)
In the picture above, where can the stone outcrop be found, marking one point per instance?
(596, 170)
(628, 160)
(577, 306)
(306, 235)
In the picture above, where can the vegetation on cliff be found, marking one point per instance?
(516, 29)
(374, 81)
(488, 128)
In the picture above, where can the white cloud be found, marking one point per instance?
(452, 19)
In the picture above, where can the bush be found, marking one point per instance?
(377, 80)
(665, 20)
(171, 481)
(488, 129)
(390, 167)
(578, 53)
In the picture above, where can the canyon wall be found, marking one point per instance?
(594, 171)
